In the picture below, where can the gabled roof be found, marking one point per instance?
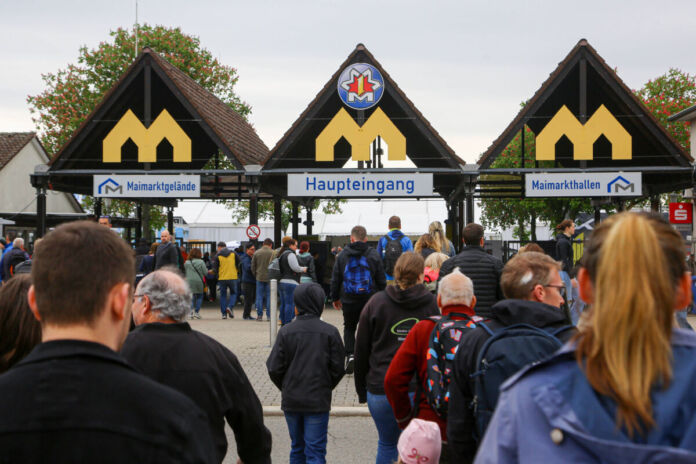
(663, 149)
(687, 114)
(12, 143)
(328, 96)
(218, 123)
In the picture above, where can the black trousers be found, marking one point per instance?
(351, 316)
(249, 292)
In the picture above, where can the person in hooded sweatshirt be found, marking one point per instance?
(384, 324)
(349, 298)
(306, 364)
(564, 253)
(623, 390)
(535, 292)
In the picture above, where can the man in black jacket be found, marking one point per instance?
(482, 268)
(344, 296)
(165, 348)
(306, 364)
(167, 253)
(74, 399)
(536, 292)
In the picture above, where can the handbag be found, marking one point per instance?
(205, 286)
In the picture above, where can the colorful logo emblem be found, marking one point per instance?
(360, 86)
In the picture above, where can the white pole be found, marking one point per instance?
(274, 311)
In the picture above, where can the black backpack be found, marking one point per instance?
(442, 347)
(392, 251)
(504, 354)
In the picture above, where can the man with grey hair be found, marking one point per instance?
(13, 258)
(165, 348)
(534, 293)
(456, 300)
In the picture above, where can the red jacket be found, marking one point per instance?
(411, 359)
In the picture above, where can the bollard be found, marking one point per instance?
(274, 311)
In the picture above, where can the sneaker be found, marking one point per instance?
(259, 318)
(350, 362)
(191, 315)
(197, 316)
(224, 316)
(231, 314)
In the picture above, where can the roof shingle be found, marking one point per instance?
(12, 143)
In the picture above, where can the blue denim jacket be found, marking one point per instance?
(550, 413)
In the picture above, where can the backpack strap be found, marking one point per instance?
(560, 330)
(485, 327)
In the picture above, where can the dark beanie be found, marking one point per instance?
(309, 298)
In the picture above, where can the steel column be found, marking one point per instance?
(277, 221)
(40, 212)
(295, 219)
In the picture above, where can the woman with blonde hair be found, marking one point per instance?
(622, 390)
(436, 230)
(426, 245)
(433, 263)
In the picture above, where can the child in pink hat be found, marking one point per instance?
(420, 443)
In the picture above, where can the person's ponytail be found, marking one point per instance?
(624, 347)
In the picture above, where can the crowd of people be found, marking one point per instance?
(459, 357)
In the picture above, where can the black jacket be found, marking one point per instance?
(460, 419)
(209, 374)
(167, 254)
(379, 280)
(484, 271)
(384, 323)
(564, 251)
(306, 363)
(11, 259)
(73, 401)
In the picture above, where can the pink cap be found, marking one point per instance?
(420, 443)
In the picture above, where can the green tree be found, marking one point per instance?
(669, 94)
(73, 92)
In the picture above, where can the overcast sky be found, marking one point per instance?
(465, 65)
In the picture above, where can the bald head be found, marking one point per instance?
(165, 236)
(168, 295)
(455, 289)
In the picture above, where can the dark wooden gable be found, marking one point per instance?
(149, 86)
(424, 146)
(583, 82)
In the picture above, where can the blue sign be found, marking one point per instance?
(360, 86)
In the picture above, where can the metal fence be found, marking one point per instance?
(511, 247)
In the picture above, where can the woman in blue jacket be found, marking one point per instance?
(623, 390)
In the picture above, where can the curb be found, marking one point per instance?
(338, 411)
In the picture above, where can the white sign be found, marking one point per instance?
(142, 186)
(584, 184)
(360, 185)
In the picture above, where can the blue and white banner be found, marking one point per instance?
(584, 184)
(146, 186)
(360, 185)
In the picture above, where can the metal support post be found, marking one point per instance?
(139, 216)
(98, 208)
(295, 219)
(470, 217)
(253, 209)
(277, 221)
(40, 212)
(309, 222)
(274, 312)
(170, 220)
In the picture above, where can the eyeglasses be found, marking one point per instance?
(137, 296)
(561, 289)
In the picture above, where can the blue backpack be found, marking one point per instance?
(357, 279)
(505, 353)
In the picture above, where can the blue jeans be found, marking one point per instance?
(388, 430)
(224, 285)
(263, 296)
(682, 321)
(308, 436)
(196, 302)
(287, 304)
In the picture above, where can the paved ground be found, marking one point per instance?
(351, 439)
(249, 340)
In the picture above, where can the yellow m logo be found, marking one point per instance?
(147, 139)
(360, 138)
(583, 137)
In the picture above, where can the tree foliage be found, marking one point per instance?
(73, 92)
